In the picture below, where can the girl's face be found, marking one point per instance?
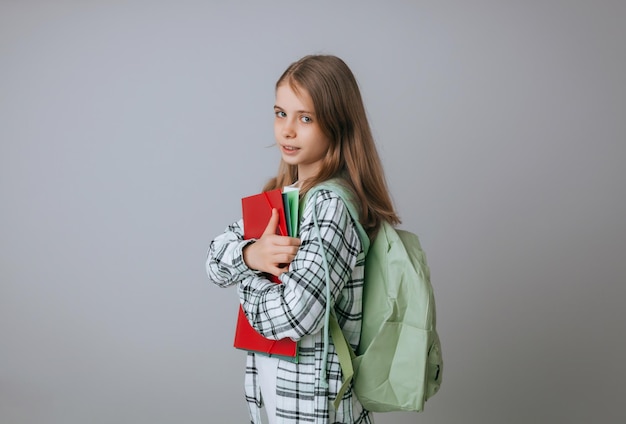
(298, 135)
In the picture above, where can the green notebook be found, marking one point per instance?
(291, 202)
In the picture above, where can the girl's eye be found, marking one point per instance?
(280, 114)
(306, 119)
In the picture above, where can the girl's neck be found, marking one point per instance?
(305, 173)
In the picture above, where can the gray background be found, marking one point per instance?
(130, 130)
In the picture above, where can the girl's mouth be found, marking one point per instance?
(289, 149)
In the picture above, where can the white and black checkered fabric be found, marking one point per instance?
(296, 308)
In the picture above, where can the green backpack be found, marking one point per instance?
(398, 363)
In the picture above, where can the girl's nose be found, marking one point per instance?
(288, 129)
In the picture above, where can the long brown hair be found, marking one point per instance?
(352, 154)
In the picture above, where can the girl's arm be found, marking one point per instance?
(225, 265)
(296, 307)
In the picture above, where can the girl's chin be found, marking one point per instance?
(290, 159)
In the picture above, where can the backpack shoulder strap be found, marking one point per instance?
(332, 328)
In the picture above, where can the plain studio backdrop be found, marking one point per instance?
(131, 129)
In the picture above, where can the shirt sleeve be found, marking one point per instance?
(296, 307)
(225, 265)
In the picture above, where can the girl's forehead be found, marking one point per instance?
(288, 95)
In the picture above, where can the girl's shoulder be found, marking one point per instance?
(318, 199)
(332, 192)
(335, 200)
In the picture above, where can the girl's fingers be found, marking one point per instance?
(285, 241)
(272, 224)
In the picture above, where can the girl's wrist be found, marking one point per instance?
(245, 253)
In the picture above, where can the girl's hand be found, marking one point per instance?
(271, 253)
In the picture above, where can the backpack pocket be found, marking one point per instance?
(390, 374)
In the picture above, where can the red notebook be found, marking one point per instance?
(257, 211)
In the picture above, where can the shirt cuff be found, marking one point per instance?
(238, 263)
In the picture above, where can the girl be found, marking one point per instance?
(322, 132)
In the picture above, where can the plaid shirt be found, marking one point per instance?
(296, 308)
